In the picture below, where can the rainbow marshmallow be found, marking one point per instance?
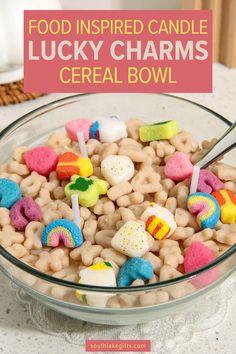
(205, 207)
(62, 230)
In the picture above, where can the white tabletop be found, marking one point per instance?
(19, 335)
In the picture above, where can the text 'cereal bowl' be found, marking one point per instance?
(158, 282)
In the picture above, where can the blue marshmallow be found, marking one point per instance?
(134, 268)
(9, 193)
(94, 130)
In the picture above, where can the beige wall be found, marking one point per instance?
(121, 4)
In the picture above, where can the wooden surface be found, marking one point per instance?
(228, 34)
(191, 4)
(216, 7)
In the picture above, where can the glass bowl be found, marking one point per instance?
(125, 305)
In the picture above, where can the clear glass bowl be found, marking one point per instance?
(33, 129)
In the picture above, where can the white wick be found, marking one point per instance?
(82, 145)
(194, 180)
(75, 208)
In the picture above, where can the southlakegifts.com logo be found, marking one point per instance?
(118, 51)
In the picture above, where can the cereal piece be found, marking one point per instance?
(12, 176)
(182, 217)
(224, 172)
(70, 164)
(134, 268)
(10, 237)
(206, 207)
(108, 222)
(117, 169)
(197, 256)
(59, 193)
(201, 236)
(128, 300)
(135, 153)
(184, 142)
(89, 230)
(113, 255)
(50, 213)
(65, 210)
(138, 282)
(100, 274)
(111, 129)
(128, 142)
(146, 181)
(62, 231)
(24, 211)
(171, 256)
(227, 202)
(4, 216)
(44, 197)
(41, 159)
(9, 193)
(158, 131)
(161, 297)
(59, 142)
(126, 214)
(133, 125)
(18, 153)
(31, 185)
(163, 148)
(171, 204)
(113, 302)
(118, 190)
(55, 260)
(87, 189)
(159, 221)
(14, 167)
(178, 167)
(104, 206)
(78, 125)
(226, 234)
(17, 250)
(104, 238)
(108, 150)
(182, 196)
(155, 261)
(131, 240)
(33, 233)
(161, 197)
(148, 299)
(96, 160)
(92, 145)
(86, 253)
(182, 233)
(127, 200)
(208, 182)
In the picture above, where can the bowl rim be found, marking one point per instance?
(25, 267)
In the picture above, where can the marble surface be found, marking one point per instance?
(17, 332)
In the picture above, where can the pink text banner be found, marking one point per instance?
(117, 51)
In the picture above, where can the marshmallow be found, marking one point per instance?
(100, 274)
(87, 189)
(111, 129)
(160, 222)
(134, 268)
(131, 239)
(117, 169)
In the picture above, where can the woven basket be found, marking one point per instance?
(14, 93)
